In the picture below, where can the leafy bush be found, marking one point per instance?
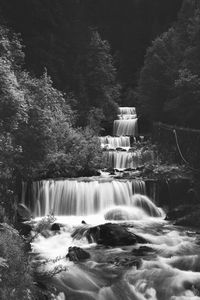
(15, 274)
(81, 156)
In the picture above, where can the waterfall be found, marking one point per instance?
(125, 127)
(127, 110)
(78, 197)
(124, 160)
(141, 207)
(143, 202)
(127, 117)
(109, 142)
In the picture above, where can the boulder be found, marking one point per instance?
(127, 262)
(120, 149)
(55, 227)
(113, 235)
(77, 254)
(143, 251)
(24, 229)
(23, 213)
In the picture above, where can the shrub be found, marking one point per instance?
(15, 273)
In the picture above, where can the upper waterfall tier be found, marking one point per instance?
(109, 142)
(127, 123)
(126, 117)
(127, 110)
(125, 127)
(74, 197)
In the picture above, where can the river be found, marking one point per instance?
(165, 267)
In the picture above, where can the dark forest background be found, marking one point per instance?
(56, 35)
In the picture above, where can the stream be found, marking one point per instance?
(165, 267)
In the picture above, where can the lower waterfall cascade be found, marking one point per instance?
(73, 197)
(163, 265)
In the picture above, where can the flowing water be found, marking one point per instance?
(126, 125)
(164, 266)
(124, 160)
(82, 197)
(109, 142)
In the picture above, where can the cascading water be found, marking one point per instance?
(140, 207)
(123, 160)
(127, 110)
(125, 127)
(127, 123)
(167, 267)
(127, 117)
(163, 265)
(82, 198)
(109, 142)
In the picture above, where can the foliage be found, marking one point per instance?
(170, 79)
(54, 32)
(11, 48)
(38, 138)
(12, 113)
(15, 273)
(95, 78)
(44, 223)
(157, 76)
(48, 119)
(82, 155)
(166, 171)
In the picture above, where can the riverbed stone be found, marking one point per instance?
(113, 235)
(55, 227)
(77, 254)
(23, 213)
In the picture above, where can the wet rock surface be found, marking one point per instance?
(113, 235)
(77, 254)
(142, 251)
(23, 215)
(55, 227)
(126, 262)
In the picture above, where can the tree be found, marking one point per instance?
(96, 79)
(47, 125)
(157, 76)
(169, 80)
(36, 129)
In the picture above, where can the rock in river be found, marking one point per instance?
(108, 234)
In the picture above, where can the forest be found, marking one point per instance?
(65, 69)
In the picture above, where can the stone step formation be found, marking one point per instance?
(118, 151)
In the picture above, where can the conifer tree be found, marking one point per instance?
(96, 79)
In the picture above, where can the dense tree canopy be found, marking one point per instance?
(37, 133)
(95, 80)
(169, 85)
(55, 33)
